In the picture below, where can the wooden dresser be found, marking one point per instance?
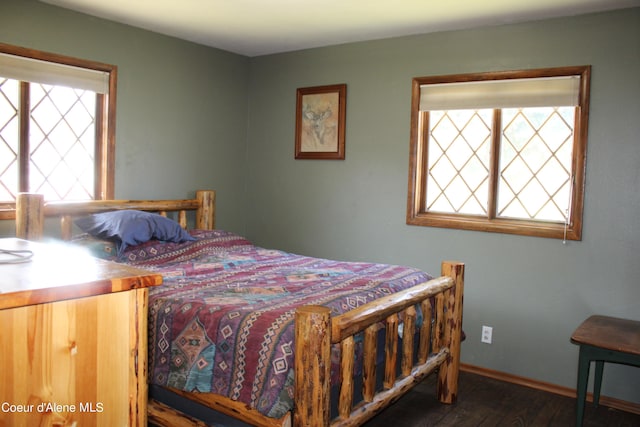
(73, 338)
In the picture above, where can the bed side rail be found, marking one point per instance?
(31, 211)
(438, 346)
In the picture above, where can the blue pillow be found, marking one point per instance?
(130, 228)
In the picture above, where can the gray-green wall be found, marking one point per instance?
(533, 291)
(194, 117)
(181, 107)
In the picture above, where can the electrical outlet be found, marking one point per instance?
(487, 334)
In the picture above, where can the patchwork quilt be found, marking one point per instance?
(222, 321)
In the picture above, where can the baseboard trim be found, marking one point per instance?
(611, 402)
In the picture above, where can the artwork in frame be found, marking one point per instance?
(320, 122)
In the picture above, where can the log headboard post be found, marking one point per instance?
(206, 212)
(30, 216)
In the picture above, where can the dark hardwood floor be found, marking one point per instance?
(484, 401)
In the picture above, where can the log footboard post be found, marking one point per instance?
(29, 216)
(312, 367)
(448, 374)
(206, 213)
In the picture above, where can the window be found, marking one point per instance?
(502, 151)
(57, 126)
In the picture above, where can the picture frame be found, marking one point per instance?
(320, 122)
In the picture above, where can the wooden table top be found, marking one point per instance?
(610, 333)
(58, 271)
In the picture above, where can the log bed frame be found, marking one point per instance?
(315, 331)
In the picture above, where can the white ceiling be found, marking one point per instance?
(260, 27)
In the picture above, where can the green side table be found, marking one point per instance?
(603, 339)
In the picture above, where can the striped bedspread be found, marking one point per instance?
(222, 322)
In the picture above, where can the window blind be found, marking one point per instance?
(510, 93)
(53, 73)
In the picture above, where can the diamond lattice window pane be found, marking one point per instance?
(517, 131)
(458, 193)
(7, 158)
(8, 138)
(62, 141)
(37, 181)
(459, 152)
(9, 89)
(62, 138)
(9, 181)
(9, 111)
(45, 158)
(557, 131)
(536, 154)
(461, 117)
(44, 114)
(565, 155)
(476, 204)
(474, 173)
(63, 178)
(537, 116)
(460, 165)
(80, 118)
(78, 160)
(472, 207)
(440, 204)
(9, 133)
(553, 176)
(46, 189)
(514, 210)
(535, 163)
(64, 98)
(78, 193)
(533, 197)
(477, 130)
(442, 172)
(5, 194)
(551, 212)
(516, 175)
(562, 201)
(507, 154)
(87, 141)
(443, 132)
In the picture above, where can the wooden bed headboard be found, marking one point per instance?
(31, 211)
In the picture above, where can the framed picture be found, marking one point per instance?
(320, 122)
